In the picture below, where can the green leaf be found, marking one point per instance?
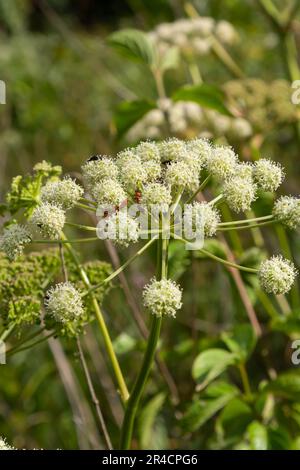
(286, 385)
(215, 398)
(124, 343)
(209, 364)
(130, 112)
(258, 436)
(289, 325)
(279, 439)
(208, 96)
(134, 44)
(241, 341)
(147, 419)
(170, 59)
(235, 418)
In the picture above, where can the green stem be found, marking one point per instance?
(31, 345)
(75, 240)
(106, 337)
(285, 246)
(245, 227)
(201, 187)
(133, 402)
(121, 268)
(85, 206)
(7, 332)
(245, 380)
(82, 227)
(246, 221)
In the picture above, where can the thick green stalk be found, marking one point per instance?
(135, 396)
(103, 328)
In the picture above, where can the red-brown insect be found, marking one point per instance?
(137, 196)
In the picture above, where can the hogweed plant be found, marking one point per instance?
(156, 191)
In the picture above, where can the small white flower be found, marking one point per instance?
(120, 228)
(277, 275)
(64, 302)
(148, 151)
(133, 175)
(49, 220)
(64, 193)
(172, 150)
(153, 170)
(13, 240)
(109, 192)
(180, 175)
(162, 297)
(199, 150)
(125, 157)
(4, 445)
(222, 162)
(97, 169)
(241, 128)
(268, 175)
(225, 32)
(156, 193)
(287, 211)
(204, 216)
(244, 170)
(239, 193)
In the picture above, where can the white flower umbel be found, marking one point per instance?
(152, 169)
(4, 445)
(49, 220)
(244, 170)
(13, 240)
(201, 214)
(180, 175)
(287, 211)
(120, 228)
(277, 275)
(109, 192)
(162, 297)
(239, 193)
(268, 175)
(199, 150)
(156, 193)
(172, 150)
(133, 175)
(148, 151)
(127, 156)
(64, 193)
(96, 170)
(222, 162)
(64, 303)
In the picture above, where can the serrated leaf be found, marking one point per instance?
(241, 341)
(209, 364)
(134, 44)
(208, 96)
(147, 419)
(258, 436)
(129, 113)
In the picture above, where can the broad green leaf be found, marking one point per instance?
(235, 418)
(134, 44)
(129, 113)
(205, 408)
(279, 439)
(258, 436)
(289, 325)
(209, 364)
(170, 59)
(241, 341)
(124, 343)
(286, 385)
(147, 419)
(205, 95)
